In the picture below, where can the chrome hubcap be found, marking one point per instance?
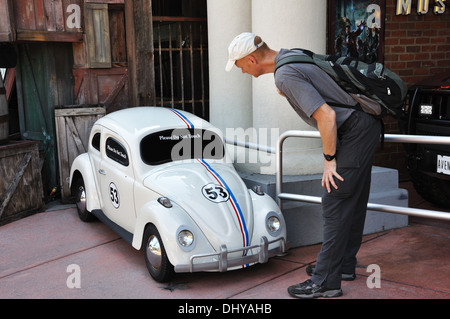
(153, 252)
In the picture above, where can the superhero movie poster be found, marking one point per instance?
(356, 29)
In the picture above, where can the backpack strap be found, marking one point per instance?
(293, 59)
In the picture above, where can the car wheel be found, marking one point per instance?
(158, 264)
(79, 193)
(431, 189)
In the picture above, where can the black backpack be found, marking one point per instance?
(378, 90)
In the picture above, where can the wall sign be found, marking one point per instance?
(356, 29)
(423, 6)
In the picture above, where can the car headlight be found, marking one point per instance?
(185, 238)
(273, 224)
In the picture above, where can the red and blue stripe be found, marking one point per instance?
(233, 201)
(183, 118)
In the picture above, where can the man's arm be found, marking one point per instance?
(326, 123)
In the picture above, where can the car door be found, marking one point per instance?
(117, 181)
(95, 155)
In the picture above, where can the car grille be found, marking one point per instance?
(439, 99)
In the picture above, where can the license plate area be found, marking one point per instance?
(443, 164)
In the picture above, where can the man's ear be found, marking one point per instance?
(252, 59)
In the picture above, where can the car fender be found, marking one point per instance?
(264, 205)
(168, 221)
(82, 164)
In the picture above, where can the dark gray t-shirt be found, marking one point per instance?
(307, 87)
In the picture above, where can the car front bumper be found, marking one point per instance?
(223, 263)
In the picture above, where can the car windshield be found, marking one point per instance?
(180, 144)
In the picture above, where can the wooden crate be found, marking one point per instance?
(73, 126)
(21, 192)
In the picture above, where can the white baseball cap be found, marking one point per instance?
(241, 46)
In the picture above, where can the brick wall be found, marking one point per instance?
(416, 47)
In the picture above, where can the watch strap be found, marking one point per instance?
(329, 157)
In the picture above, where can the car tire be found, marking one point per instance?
(79, 193)
(431, 189)
(158, 264)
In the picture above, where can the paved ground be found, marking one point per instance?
(38, 253)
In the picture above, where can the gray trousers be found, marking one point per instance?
(344, 209)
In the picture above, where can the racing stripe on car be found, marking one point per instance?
(219, 179)
(183, 118)
(233, 201)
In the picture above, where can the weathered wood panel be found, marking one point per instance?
(4, 118)
(107, 87)
(139, 30)
(118, 54)
(43, 80)
(106, 1)
(48, 20)
(73, 126)
(7, 29)
(20, 183)
(117, 32)
(97, 35)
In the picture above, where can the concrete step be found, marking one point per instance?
(304, 220)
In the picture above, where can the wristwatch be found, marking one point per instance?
(329, 157)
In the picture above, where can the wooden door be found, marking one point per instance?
(43, 80)
(73, 126)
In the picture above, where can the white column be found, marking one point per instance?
(237, 101)
(230, 92)
(288, 24)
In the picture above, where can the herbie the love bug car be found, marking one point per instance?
(160, 178)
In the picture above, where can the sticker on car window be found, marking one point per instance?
(114, 195)
(215, 193)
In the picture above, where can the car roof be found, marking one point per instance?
(150, 119)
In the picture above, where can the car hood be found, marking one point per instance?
(439, 81)
(213, 195)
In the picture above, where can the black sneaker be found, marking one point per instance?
(308, 290)
(345, 277)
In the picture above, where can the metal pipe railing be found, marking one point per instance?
(377, 207)
(421, 139)
(252, 146)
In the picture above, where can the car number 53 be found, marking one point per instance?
(215, 193)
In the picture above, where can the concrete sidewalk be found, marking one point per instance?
(38, 254)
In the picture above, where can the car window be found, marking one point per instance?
(180, 144)
(116, 151)
(96, 141)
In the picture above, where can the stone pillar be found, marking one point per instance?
(230, 92)
(253, 105)
(288, 24)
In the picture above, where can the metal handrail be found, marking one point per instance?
(252, 146)
(421, 139)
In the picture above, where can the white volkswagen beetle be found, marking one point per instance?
(160, 178)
